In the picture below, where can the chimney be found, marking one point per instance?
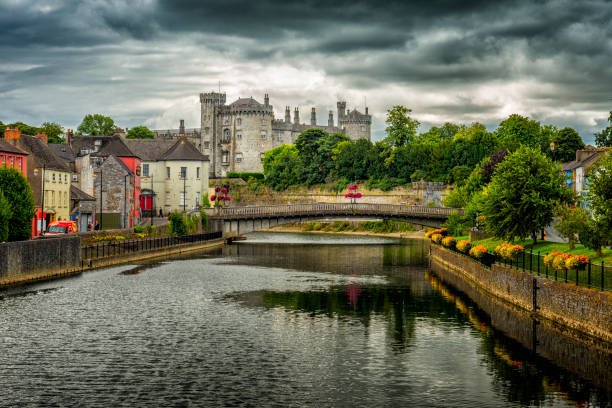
(366, 110)
(287, 114)
(313, 117)
(266, 100)
(330, 120)
(182, 127)
(12, 133)
(296, 116)
(42, 136)
(69, 136)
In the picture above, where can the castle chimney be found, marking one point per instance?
(266, 100)
(42, 136)
(287, 114)
(182, 127)
(296, 116)
(330, 120)
(12, 133)
(366, 110)
(313, 117)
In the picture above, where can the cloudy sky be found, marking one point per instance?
(146, 61)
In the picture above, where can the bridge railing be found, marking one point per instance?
(334, 209)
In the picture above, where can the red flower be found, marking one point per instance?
(224, 190)
(347, 195)
(213, 197)
(217, 189)
(228, 198)
(353, 187)
(358, 195)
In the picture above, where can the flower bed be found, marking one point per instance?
(508, 251)
(449, 242)
(464, 246)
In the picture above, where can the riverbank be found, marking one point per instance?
(289, 228)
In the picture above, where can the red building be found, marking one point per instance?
(11, 156)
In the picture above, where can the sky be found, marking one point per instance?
(146, 61)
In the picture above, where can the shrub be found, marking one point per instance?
(18, 195)
(204, 220)
(151, 229)
(508, 251)
(478, 251)
(177, 225)
(456, 224)
(317, 226)
(308, 226)
(246, 176)
(5, 216)
(437, 238)
(449, 242)
(464, 246)
(205, 201)
(138, 229)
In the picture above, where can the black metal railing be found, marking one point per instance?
(590, 275)
(130, 246)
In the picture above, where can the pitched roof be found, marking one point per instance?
(9, 148)
(79, 195)
(245, 101)
(102, 146)
(42, 152)
(124, 166)
(149, 149)
(63, 150)
(587, 157)
(183, 150)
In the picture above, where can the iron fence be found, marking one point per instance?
(117, 248)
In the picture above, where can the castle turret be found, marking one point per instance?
(313, 117)
(182, 127)
(287, 114)
(296, 116)
(330, 120)
(341, 111)
(266, 100)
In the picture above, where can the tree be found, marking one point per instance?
(177, 225)
(24, 128)
(96, 125)
(54, 132)
(489, 165)
(600, 196)
(567, 141)
(352, 159)
(5, 217)
(401, 128)
(604, 138)
(522, 194)
(518, 130)
(282, 167)
(571, 221)
(17, 192)
(140, 132)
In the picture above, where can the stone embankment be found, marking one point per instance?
(586, 310)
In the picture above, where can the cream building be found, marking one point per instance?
(174, 175)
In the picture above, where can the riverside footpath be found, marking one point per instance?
(50, 258)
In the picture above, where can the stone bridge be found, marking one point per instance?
(241, 220)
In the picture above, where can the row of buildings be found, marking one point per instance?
(106, 180)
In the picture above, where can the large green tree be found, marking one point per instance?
(5, 217)
(54, 131)
(522, 195)
(96, 125)
(140, 132)
(604, 138)
(17, 192)
(401, 128)
(600, 196)
(352, 159)
(518, 130)
(282, 167)
(567, 141)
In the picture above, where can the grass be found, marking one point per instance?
(545, 247)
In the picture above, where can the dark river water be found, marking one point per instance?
(278, 320)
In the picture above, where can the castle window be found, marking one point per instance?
(362, 128)
(263, 121)
(239, 135)
(206, 145)
(239, 121)
(280, 136)
(226, 136)
(263, 135)
(225, 157)
(238, 157)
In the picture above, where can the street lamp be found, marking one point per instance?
(125, 197)
(42, 205)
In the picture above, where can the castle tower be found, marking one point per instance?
(330, 120)
(210, 102)
(296, 116)
(266, 100)
(313, 117)
(341, 111)
(287, 114)
(182, 127)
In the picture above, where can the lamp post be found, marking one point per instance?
(42, 205)
(152, 196)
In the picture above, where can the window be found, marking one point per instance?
(53, 174)
(238, 121)
(238, 157)
(19, 163)
(65, 178)
(1, 159)
(145, 170)
(65, 199)
(362, 128)
(47, 176)
(182, 198)
(13, 163)
(263, 121)
(226, 136)
(206, 145)
(183, 173)
(263, 135)
(75, 177)
(53, 198)
(198, 173)
(167, 172)
(280, 136)
(225, 157)
(238, 135)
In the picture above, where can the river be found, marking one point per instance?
(278, 320)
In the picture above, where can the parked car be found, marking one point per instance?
(61, 227)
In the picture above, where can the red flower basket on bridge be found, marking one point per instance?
(353, 194)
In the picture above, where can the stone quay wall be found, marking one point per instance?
(39, 259)
(586, 310)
